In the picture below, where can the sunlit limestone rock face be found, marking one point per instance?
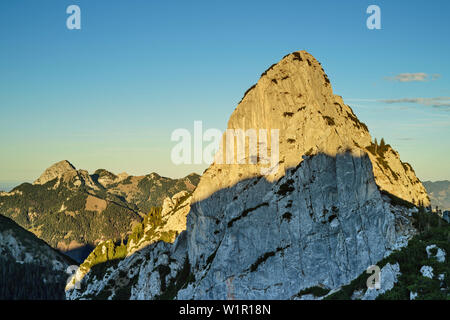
(320, 219)
(295, 97)
(56, 171)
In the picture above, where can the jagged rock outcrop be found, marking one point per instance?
(388, 278)
(439, 254)
(319, 218)
(173, 222)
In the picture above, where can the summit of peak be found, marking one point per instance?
(64, 164)
(54, 171)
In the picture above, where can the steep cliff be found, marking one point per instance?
(324, 210)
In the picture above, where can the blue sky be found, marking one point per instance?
(109, 95)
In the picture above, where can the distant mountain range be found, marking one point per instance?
(439, 192)
(6, 186)
(73, 210)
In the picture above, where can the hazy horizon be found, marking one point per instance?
(8, 185)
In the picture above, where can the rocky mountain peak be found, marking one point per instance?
(319, 220)
(154, 175)
(316, 207)
(56, 171)
(295, 97)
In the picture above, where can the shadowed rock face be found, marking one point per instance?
(322, 224)
(319, 220)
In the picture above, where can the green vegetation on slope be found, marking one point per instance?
(68, 214)
(59, 216)
(110, 250)
(379, 151)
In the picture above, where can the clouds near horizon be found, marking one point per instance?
(413, 77)
(437, 102)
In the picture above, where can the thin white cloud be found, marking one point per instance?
(436, 102)
(360, 100)
(413, 77)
